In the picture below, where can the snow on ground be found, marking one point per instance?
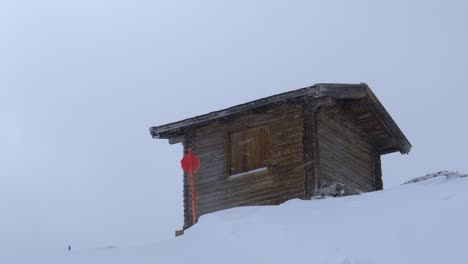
(423, 222)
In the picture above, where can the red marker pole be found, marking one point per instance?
(192, 185)
(191, 163)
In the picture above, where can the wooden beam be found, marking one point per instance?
(316, 150)
(345, 91)
(311, 145)
(176, 140)
(188, 222)
(377, 170)
(179, 233)
(164, 130)
(309, 155)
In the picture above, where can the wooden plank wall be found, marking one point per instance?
(311, 154)
(345, 151)
(283, 180)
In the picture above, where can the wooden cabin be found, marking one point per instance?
(286, 146)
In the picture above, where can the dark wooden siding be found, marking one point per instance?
(283, 179)
(345, 151)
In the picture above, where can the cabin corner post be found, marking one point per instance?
(377, 170)
(308, 153)
(316, 150)
(310, 150)
(310, 113)
(188, 219)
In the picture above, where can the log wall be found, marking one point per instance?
(281, 181)
(307, 147)
(346, 154)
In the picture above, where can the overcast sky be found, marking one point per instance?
(82, 81)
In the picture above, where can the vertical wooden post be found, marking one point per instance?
(188, 205)
(307, 144)
(310, 140)
(316, 150)
(310, 148)
(192, 185)
(377, 170)
(187, 210)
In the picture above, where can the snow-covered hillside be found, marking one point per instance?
(421, 222)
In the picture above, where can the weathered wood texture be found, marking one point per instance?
(187, 192)
(378, 183)
(345, 151)
(311, 150)
(283, 180)
(248, 150)
(374, 115)
(286, 146)
(361, 113)
(309, 157)
(177, 128)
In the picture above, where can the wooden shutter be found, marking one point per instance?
(249, 150)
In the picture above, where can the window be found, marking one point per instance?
(249, 150)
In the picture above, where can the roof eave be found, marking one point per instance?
(362, 90)
(167, 130)
(352, 91)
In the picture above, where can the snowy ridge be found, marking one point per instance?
(425, 222)
(446, 174)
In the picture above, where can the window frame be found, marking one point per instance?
(260, 170)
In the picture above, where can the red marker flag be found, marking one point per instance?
(190, 162)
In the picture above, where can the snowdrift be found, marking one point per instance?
(422, 222)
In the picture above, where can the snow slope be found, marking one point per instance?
(422, 222)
